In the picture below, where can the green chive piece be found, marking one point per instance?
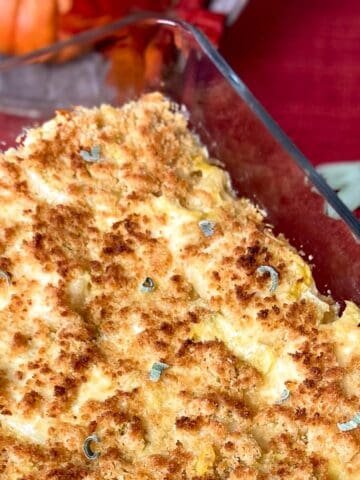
(351, 424)
(148, 285)
(207, 227)
(6, 276)
(285, 394)
(273, 274)
(89, 454)
(93, 156)
(156, 371)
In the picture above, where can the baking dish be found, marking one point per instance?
(263, 162)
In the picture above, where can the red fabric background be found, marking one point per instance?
(301, 58)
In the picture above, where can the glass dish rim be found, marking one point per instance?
(228, 73)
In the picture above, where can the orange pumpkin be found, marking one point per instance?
(26, 25)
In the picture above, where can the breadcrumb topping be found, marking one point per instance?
(96, 204)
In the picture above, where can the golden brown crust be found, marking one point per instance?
(79, 336)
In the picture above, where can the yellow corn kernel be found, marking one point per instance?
(261, 358)
(205, 460)
(303, 281)
(335, 468)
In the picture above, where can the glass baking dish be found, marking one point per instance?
(143, 53)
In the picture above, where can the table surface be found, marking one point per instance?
(301, 59)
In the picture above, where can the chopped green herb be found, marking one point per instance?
(148, 285)
(6, 276)
(156, 370)
(351, 424)
(207, 227)
(285, 394)
(93, 156)
(89, 454)
(273, 274)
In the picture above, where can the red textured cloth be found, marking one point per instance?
(301, 59)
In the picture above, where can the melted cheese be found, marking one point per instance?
(98, 387)
(240, 339)
(45, 191)
(345, 332)
(33, 429)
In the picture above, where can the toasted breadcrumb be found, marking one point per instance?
(79, 337)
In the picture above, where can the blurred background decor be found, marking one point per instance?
(27, 25)
(301, 59)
